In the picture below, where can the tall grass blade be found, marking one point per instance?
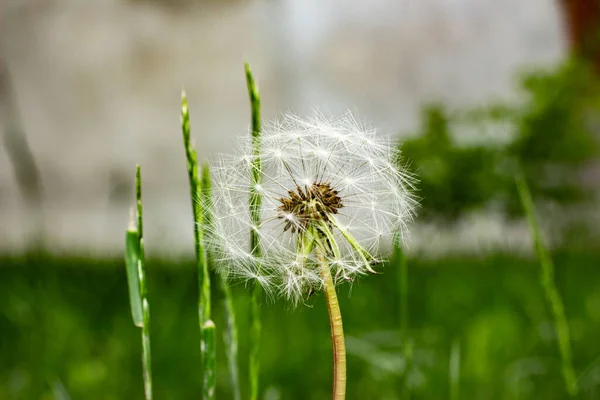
(230, 333)
(199, 199)
(255, 204)
(138, 253)
(552, 295)
(400, 261)
(454, 370)
(231, 339)
(132, 256)
(208, 341)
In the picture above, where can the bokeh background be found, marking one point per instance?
(478, 90)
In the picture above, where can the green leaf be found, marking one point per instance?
(132, 257)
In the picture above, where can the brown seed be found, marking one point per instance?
(312, 203)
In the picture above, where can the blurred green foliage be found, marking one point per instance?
(552, 139)
(66, 322)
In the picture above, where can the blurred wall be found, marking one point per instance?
(96, 86)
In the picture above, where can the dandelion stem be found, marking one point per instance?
(552, 294)
(207, 327)
(255, 205)
(337, 330)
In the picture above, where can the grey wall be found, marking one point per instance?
(96, 90)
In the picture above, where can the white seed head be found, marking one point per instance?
(356, 171)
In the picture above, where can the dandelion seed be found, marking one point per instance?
(327, 184)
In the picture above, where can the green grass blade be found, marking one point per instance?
(400, 261)
(132, 256)
(146, 354)
(231, 340)
(199, 211)
(407, 348)
(255, 204)
(230, 333)
(199, 198)
(552, 295)
(255, 333)
(454, 370)
(197, 204)
(208, 342)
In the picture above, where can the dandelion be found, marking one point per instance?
(332, 195)
(329, 184)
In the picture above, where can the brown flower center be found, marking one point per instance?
(303, 205)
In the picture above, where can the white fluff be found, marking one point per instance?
(359, 164)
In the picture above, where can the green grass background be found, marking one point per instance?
(66, 322)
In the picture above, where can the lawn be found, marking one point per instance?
(65, 327)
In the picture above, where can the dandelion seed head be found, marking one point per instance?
(321, 178)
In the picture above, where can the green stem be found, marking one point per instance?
(200, 188)
(147, 359)
(204, 191)
(146, 356)
(209, 361)
(132, 255)
(255, 205)
(207, 329)
(230, 333)
(231, 339)
(400, 260)
(550, 290)
(454, 370)
(337, 329)
(255, 331)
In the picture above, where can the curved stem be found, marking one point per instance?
(337, 331)
(561, 324)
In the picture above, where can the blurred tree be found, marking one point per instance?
(555, 135)
(552, 141)
(452, 179)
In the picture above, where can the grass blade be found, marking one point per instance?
(132, 251)
(407, 348)
(230, 332)
(400, 261)
(208, 344)
(199, 198)
(552, 295)
(454, 370)
(255, 204)
(231, 340)
(143, 294)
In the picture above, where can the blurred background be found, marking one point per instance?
(478, 90)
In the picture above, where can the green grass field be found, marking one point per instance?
(65, 327)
